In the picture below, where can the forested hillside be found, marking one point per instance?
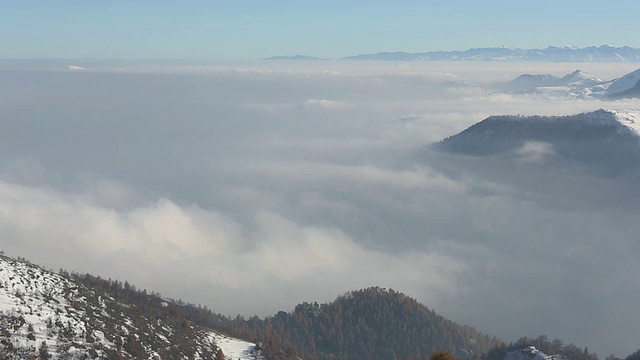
(373, 323)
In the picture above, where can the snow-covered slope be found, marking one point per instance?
(624, 83)
(233, 348)
(526, 82)
(41, 311)
(530, 353)
(629, 118)
(579, 78)
(33, 301)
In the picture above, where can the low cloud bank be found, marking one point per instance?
(253, 188)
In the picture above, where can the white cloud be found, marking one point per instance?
(325, 103)
(535, 151)
(414, 178)
(270, 252)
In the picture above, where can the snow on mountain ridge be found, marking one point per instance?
(579, 77)
(602, 53)
(604, 141)
(629, 118)
(530, 353)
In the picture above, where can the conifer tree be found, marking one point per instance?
(43, 351)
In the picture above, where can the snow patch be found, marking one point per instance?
(629, 118)
(535, 151)
(235, 348)
(530, 353)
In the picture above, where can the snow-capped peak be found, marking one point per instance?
(579, 77)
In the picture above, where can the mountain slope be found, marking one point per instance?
(45, 312)
(606, 140)
(526, 82)
(633, 92)
(578, 78)
(625, 84)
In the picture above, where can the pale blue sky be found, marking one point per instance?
(253, 29)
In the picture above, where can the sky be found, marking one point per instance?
(251, 29)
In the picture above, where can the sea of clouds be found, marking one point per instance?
(252, 187)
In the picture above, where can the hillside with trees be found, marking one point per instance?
(555, 348)
(44, 315)
(66, 315)
(373, 323)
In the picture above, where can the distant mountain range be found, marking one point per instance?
(603, 53)
(577, 84)
(529, 82)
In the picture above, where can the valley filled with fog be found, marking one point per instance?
(251, 187)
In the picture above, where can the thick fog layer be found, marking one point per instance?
(253, 187)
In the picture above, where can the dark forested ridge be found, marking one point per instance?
(373, 323)
(601, 139)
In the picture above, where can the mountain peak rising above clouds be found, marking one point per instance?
(579, 77)
(608, 140)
